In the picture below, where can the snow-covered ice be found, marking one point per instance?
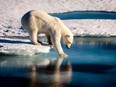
(92, 27)
(11, 12)
(20, 47)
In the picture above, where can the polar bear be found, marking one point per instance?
(37, 21)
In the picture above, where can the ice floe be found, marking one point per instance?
(10, 46)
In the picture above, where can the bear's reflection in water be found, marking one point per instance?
(36, 72)
(54, 75)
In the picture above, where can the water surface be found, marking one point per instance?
(86, 15)
(91, 63)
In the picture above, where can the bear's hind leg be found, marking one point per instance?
(33, 38)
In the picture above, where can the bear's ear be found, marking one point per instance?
(67, 36)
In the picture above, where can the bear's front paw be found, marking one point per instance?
(63, 55)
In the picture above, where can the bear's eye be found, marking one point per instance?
(67, 36)
(69, 42)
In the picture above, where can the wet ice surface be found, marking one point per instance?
(91, 63)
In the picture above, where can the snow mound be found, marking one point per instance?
(20, 47)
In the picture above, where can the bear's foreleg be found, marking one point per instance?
(48, 38)
(56, 41)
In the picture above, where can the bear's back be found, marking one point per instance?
(42, 15)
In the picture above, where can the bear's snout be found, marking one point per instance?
(67, 46)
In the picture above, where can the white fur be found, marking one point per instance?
(36, 22)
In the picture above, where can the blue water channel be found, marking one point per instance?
(86, 15)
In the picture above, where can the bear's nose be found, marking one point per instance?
(67, 46)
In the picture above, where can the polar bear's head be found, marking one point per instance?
(67, 35)
(68, 40)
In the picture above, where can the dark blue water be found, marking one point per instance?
(91, 63)
(94, 62)
(86, 15)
